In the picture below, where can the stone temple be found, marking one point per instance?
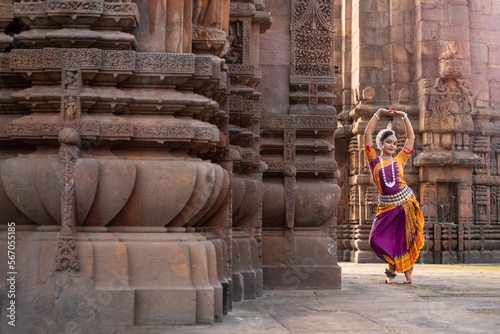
(161, 160)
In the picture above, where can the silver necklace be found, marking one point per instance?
(393, 183)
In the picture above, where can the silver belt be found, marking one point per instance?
(396, 199)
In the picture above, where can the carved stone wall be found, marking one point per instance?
(436, 61)
(298, 123)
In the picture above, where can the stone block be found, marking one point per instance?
(495, 90)
(481, 86)
(495, 7)
(453, 33)
(458, 15)
(400, 53)
(455, 2)
(397, 17)
(400, 4)
(478, 36)
(494, 55)
(428, 50)
(477, 20)
(361, 256)
(397, 33)
(302, 278)
(479, 52)
(368, 6)
(377, 37)
(432, 12)
(492, 37)
(479, 72)
(249, 284)
(404, 73)
(238, 291)
(429, 69)
(165, 307)
(371, 56)
(493, 73)
(279, 8)
(427, 31)
(384, 76)
(205, 306)
(274, 88)
(115, 307)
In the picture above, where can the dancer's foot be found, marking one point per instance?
(390, 280)
(408, 276)
(390, 275)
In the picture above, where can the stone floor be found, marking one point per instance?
(442, 299)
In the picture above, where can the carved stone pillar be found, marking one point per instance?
(300, 191)
(247, 21)
(111, 168)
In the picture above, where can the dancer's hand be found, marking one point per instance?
(384, 111)
(394, 113)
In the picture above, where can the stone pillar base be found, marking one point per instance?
(125, 280)
(247, 274)
(299, 259)
(365, 257)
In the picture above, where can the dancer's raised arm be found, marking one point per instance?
(410, 135)
(371, 126)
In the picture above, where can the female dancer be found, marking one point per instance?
(397, 232)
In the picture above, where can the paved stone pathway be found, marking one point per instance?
(442, 299)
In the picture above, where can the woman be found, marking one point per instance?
(397, 231)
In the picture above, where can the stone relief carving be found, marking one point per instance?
(67, 256)
(450, 63)
(312, 31)
(235, 53)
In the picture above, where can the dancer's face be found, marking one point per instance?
(389, 145)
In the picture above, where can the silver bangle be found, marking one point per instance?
(406, 115)
(376, 116)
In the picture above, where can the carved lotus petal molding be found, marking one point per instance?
(116, 182)
(164, 193)
(19, 181)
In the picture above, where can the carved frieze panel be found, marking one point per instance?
(165, 63)
(278, 164)
(5, 63)
(113, 60)
(162, 131)
(73, 7)
(6, 11)
(120, 8)
(203, 65)
(25, 8)
(312, 32)
(297, 121)
(235, 103)
(116, 130)
(26, 59)
(86, 128)
(241, 69)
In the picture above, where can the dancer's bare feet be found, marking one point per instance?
(390, 273)
(390, 280)
(408, 276)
